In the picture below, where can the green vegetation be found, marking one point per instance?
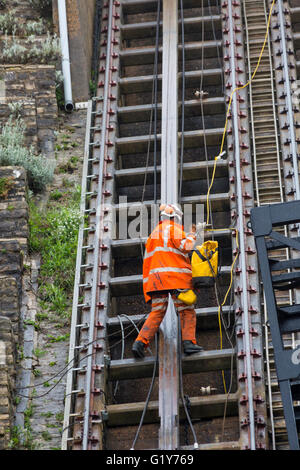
(32, 323)
(38, 353)
(21, 438)
(53, 233)
(47, 414)
(13, 152)
(10, 24)
(42, 6)
(46, 436)
(5, 185)
(57, 339)
(31, 50)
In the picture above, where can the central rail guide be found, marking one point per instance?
(168, 343)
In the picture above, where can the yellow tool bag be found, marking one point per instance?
(205, 264)
(188, 297)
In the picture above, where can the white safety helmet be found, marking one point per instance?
(171, 211)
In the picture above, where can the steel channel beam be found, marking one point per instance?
(242, 257)
(285, 66)
(288, 91)
(168, 343)
(91, 380)
(257, 155)
(79, 260)
(249, 365)
(98, 235)
(285, 71)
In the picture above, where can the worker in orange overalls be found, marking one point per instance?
(167, 269)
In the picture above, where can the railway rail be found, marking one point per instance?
(106, 387)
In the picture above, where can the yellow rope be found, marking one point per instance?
(213, 177)
(229, 106)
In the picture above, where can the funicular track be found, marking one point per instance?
(274, 146)
(106, 387)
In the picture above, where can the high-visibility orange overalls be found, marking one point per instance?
(167, 268)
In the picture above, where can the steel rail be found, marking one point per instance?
(242, 257)
(257, 185)
(289, 100)
(97, 237)
(88, 403)
(287, 254)
(79, 257)
(168, 343)
(284, 63)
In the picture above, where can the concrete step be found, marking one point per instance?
(191, 171)
(131, 285)
(131, 7)
(207, 319)
(144, 83)
(137, 144)
(230, 445)
(193, 51)
(205, 361)
(211, 406)
(147, 29)
(211, 106)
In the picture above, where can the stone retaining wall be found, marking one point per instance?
(7, 381)
(13, 245)
(34, 87)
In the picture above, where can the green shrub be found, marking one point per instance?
(15, 108)
(54, 234)
(13, 51)
(5, 185)
(8, 22)
(46, 51)
(42, 6)
(13, 153)
(35, 27)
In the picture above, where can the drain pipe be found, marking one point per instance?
(66, 69)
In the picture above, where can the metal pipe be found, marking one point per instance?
(64, 41)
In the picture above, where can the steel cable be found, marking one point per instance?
(182, 99)
(181, 383)
(154, 98)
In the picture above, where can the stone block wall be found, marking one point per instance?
(14, 207)
(13, 245)
(13, 242)
(7, 381)
(33, 86)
